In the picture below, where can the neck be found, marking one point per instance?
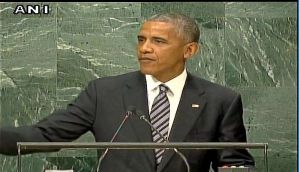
(169, 77)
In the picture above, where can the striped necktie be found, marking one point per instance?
(159, 117)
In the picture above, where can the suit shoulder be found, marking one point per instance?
(214, 88)
(115, 80)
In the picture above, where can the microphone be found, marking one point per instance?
(142, 117)
(128, 114)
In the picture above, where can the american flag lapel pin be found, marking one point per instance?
(195, 105)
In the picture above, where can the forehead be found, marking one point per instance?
(156, 27)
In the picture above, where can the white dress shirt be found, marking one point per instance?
(175, 86)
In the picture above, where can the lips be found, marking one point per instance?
(146, 59)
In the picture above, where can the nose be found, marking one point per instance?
(145, 47)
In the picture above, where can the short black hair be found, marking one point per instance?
(187, 27)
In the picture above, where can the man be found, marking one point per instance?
(180, 106)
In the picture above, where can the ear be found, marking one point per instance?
(191, 49)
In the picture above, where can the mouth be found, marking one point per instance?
(145, 59)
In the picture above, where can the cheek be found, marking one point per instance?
(137, 49)
(168, 57)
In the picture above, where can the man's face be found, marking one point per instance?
(160, 50)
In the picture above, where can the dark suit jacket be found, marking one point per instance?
(100, 108)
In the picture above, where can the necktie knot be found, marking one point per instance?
(163, 88)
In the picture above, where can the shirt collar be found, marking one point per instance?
(174, 84)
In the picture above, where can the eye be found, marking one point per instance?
(160, 41)
(140, 39)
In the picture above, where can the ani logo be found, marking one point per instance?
(32, 9)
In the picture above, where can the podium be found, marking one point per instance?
(142, 145)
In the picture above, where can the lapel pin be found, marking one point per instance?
(195, 105)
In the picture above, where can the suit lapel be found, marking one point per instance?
(135, 94)
(189, 109)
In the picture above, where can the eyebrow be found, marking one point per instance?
(140, 36)
(154, 37)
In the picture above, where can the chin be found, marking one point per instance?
(146, 72)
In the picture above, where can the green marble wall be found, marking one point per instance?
(47, 59)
